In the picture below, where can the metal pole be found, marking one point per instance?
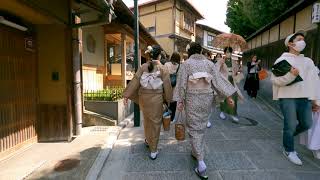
(136, 58)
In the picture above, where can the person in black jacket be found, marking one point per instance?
(251, 84)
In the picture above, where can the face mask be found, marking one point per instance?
(300, 45)
(228, 55)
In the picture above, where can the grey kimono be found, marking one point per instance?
(197, 79)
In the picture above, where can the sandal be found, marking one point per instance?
(201, 175)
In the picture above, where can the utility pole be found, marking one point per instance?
(136, 57)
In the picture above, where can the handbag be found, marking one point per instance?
(166, 119)
(173, 77)
(238, 78)
(263, 74)
(282, 68)
(179, 128)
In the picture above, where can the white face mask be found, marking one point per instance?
(299, 45)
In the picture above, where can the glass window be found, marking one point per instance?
(210, 40)
(188, 22)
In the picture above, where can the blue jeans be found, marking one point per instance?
(297, 114)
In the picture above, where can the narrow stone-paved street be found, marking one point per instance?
(248, 150)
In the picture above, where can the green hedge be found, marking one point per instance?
(108, 94)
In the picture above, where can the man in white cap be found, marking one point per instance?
(295, 99)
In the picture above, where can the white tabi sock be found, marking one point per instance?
(201, 166)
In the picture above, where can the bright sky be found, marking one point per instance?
(214, 12)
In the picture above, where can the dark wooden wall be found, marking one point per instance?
(53, 123)
(18, 91)
(271, 52)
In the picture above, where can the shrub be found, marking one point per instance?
(108, 94)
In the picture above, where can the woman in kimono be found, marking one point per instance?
(217, 58)
(151, 88)
(229, 69)
(197, 79)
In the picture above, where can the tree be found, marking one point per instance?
(244, 17)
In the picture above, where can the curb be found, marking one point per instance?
(123, 124)
(105, 151)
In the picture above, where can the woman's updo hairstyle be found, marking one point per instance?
(194, 48)
(154, 52)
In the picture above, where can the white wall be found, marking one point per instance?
(96, 58)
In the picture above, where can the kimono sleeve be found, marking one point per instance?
(167, 88)
(235, 67)
(132, 90)
(221, 85)
(181, 86)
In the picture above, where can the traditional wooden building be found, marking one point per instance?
(111, 62)
(171, 22)
(205, 35)
(39, 56)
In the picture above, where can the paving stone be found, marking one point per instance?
(268, 145)
(214, 135)
(228, 161)
(307, 176)
(168, 175)
(254, 175)
(164, 146)
(277, 161)
(164, 162)
(245, 135)
(231, 146)
(275, 134)
(272, 125)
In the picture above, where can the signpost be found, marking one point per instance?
(136, 57)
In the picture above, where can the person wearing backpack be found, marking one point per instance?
(173, 67)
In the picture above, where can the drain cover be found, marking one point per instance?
(66, 164)
(100, 129)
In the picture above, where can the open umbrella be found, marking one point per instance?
(237, 42)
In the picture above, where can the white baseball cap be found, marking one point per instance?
(286, 42)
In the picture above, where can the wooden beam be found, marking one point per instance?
(124, 59)
(115, 28)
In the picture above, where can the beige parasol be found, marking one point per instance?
(237, 42)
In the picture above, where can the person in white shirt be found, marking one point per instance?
(311, 138)
(295, 99)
